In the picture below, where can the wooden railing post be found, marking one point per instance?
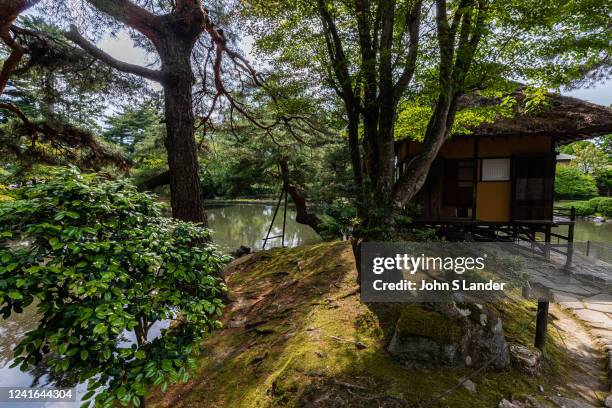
(570, 238)
(547, 242)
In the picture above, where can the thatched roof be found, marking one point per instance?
(567, 118)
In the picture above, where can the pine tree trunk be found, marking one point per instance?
(185, 188)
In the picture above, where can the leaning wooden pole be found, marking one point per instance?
(284, 218)
(280, 198)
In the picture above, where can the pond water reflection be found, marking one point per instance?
(236, 224)
(592, 231)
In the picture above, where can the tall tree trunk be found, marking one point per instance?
(417, 170)
(185, 188)
(387, 106)
(353, 142)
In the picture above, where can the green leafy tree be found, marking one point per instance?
(99, 263)
(389, 62)
(605, 144)
(604, 181)
(51, 110)
(571, 183)
(133, 125)
(589, 158)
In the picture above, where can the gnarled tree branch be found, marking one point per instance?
(9, 11)
(159, 180)
(76, 37)
(302, 215)
(131, 15)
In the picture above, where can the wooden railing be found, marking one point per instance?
(563, 216)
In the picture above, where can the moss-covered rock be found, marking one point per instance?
(426, 337)
(449, 334)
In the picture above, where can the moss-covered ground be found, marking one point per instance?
(296, 334)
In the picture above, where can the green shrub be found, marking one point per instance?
(596, 202)
(583, 208)
(338, 219)
(99, 261)
(597, 205)
(605, 206)
(571, 183)
(604, 180)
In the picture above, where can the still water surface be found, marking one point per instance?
(247, 224)
(233, 225)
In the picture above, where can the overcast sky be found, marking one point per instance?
(122, 48)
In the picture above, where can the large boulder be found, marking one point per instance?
(451, 334)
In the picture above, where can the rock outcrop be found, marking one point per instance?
(451, 334)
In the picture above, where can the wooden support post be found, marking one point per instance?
(570, 239)
(284, 220)
(541, 325)
(273, 218)
(547, 237)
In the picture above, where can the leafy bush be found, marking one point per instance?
(99, 262)
(604, 179)
(583, 208)
(605, 206)
(596, 205)
(571, 183)
(596, 202)
(4, 193)
(425, 234)
(339, 219)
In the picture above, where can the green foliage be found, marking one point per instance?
(99, 262)
(571, 183)
(596, 205)
(605, 207)
(414, 114)
(5, 192)
(413, 119)
(589, 158)
(583, 208)
(605, 144)
(596, 201)
(536, 99)
(339, 219)
(604, 179)
(601, 205)
(133, 125)
(63, 93)
(60, 79)
(424, 234)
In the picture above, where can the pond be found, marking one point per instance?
(592, 231)
(233, 224)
